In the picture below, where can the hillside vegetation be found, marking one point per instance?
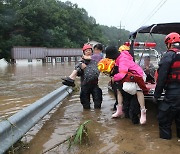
(52, 23)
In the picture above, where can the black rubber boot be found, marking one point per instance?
(134, 110)
(135, 119)
(126, 106)
(86, 107)
(68, 82)
(165, 133)
(97, 105)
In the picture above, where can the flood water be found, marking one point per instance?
(21, 86)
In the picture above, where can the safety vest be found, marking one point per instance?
(174, 73)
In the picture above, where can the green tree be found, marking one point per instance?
(52, 23)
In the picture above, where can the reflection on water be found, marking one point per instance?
(23, 85)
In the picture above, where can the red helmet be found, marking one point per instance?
(86, 46)
(172, 38)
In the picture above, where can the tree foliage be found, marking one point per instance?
(51, 23)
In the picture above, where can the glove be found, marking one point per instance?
(114, 71)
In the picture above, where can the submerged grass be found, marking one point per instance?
(19, 144)
(16, 147)
(80, 137)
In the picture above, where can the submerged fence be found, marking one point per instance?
(13, 129)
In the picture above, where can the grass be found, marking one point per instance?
(80, 137)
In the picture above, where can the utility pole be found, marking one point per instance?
(119, 38)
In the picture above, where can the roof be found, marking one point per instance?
(162, 28)
(42, 52)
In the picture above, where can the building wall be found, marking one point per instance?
(64, 52)
(48, 55)
(28, 52)
(27, 62)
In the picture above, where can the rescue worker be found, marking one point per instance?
(126, 65)
(97, 56)
(89, 74)
(169, 80)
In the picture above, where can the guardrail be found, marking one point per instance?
(12, 129)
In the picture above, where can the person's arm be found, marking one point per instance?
(114, 71)
(79, 67)
(86, 57)
(163, 71)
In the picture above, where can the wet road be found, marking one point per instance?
(107, 136)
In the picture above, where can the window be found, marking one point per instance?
(72, 58)
(29, 60)
(65, 58)
(58, 59)
(48, 59)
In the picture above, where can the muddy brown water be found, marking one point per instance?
(20, 86)
(107, 136)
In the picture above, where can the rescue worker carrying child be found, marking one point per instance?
(127, 68)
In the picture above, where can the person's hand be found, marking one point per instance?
(155, 100)
(83, 66)
(117, 83)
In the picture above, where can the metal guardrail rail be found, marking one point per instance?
(13, 129)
